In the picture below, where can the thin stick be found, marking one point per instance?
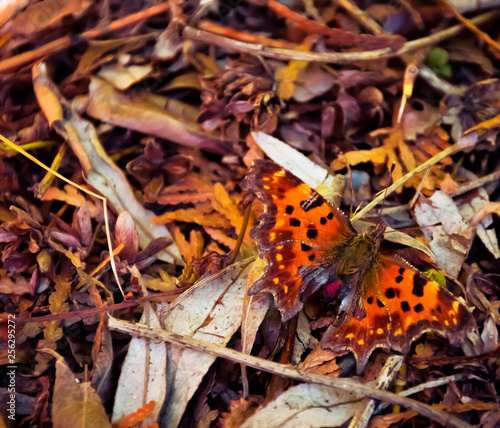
(284, 370)
(362, 17)
(65, 42)
(471, 26)
(440, 156)
(330, 57)
(95, 195)
(384, 380)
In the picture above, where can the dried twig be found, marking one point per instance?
(470, 25)
(384, 380)
(286, 371)
(330, 57)
(65, 42)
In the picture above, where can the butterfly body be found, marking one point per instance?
(308, 245)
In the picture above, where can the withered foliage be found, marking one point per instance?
(171, 93)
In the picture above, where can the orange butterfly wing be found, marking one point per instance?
(400, 304)
(296, 229)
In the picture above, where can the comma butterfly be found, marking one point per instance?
(309, 244)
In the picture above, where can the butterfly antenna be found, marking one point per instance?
(379, 219)
(405, 229)
(351, 189)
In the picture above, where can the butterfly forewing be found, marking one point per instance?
(296, 229)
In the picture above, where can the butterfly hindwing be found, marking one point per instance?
(296, 229)
(400, 305)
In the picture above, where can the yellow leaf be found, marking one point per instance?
(376, 155)
(166, 283)
(70, 195)
(226, 206)
(287, 76)
(485, 126)
(423, 351)
(57, 299)
(193, 215)
(196, 243)
(52, 331)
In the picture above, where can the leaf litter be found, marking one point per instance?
(163, 109)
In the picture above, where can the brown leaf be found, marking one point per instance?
(75, 404)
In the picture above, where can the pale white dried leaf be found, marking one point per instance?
(489, 335)
(254, 308)
(292, 160)
(306, 405)
(143, 374)
(168, 44)
(450, 241)
(469, 208)
(210, 311)
(124, 77)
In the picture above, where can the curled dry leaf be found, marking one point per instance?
(450, 241)
(147, 114)
(42, 15)
(101, 172)
(122, 77)
(126, 233)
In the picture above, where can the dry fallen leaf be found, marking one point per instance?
(143, 374)
(102, 173)
(75, 404)
(449, 235)
(210, 311)
(306, 405)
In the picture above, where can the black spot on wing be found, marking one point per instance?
(305, 247)
(419, 282)
(401, 271)
(289, 209)
(399, 279)
(369, 300)
(313, 201)
(312, 233)
(329, 216)
(380, 303)
(418, 308)
(294, 222)
(405, 306)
